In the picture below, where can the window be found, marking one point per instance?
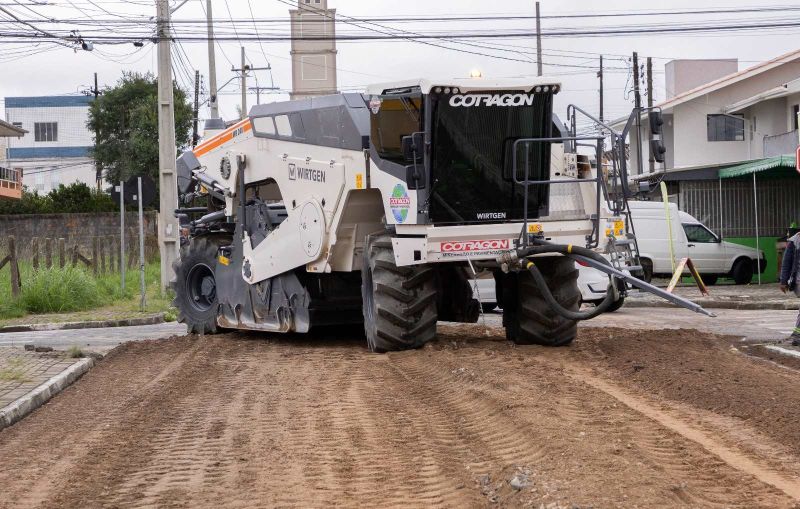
(795, 112)
(264, 125)
(394, 118)
(283, 125)
(17, 124)
(699, 233)
(40, 179)
(725, 127)
(45, 131)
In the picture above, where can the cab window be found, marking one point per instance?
(395, 117)
(699, 233)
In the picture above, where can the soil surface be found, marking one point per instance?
(622, 418)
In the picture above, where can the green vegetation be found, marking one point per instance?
(13, 372)
(47, 294)
(75, 352)
(76, 197)
(126, 120)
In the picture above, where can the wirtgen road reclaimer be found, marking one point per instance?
(380, 207)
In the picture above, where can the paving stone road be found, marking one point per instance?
(99, 340)
(22, 371)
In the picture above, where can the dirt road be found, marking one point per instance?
(621, 419)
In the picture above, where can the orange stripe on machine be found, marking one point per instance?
(224, 137)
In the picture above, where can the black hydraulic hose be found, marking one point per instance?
(566, 250)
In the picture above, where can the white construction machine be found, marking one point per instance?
(380, 207)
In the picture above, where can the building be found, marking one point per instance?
(55, 148)
(10, 178)
(313, 61)
(730, 139)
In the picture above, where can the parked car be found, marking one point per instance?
(712, 256)
(592, 283)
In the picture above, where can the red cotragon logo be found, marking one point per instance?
(466, 246)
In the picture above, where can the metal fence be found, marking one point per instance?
(731, 212)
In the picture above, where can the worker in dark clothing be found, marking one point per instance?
(790, 272)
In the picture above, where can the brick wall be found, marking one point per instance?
(75, 228)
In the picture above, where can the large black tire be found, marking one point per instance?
(399, 302)
(742, 271)
(710, 280)
(531, 320)
(195, 285)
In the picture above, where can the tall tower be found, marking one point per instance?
(313, 61)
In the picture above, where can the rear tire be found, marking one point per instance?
(195, 284)
(742, 271)
(399, 302)
(532, 321)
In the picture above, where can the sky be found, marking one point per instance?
(570, 60)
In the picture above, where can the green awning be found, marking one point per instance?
(759, 165)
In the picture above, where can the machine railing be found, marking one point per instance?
(593, 238)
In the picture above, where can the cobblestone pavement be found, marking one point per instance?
(99, 340)
(22, 371)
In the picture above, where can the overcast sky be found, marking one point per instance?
(63, 71)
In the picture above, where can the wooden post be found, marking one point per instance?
(12, 253)
(103, 258)
(35, 252)
(114, 255)
(48, 253)
(74, 254)
(61, 252)
(94, 256)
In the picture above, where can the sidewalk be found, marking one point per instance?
(724, 296)
(28, 379)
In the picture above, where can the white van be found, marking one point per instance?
(713, 257)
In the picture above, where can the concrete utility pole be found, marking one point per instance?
(243, 114)
(258, 90)
(600, 75)
(97, 170)
(538, 42)
(168, 229)
(196, 107)
(637, 98)
(212, 65)
(652, 159)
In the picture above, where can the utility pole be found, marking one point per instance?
(258, 90)
(244, 88)
(637, 98)
(97, 170)
(538, 42)
(196, 108)
(212, 65)
(168, 229)
(600, 75)
(652, 159)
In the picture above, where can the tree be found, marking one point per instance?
(125, 122)
(76, 197)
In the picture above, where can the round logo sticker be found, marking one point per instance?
(399, 203)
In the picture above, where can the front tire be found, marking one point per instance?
(528, 318)
(195, 284)
(742, 271)
(399, 302)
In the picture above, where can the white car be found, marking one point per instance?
(591, 282)
(713, 257)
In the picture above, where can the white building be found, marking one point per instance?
(716, 115)
(55, 149)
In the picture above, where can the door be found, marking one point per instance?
(705, 249)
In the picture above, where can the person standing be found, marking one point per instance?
(789, 273)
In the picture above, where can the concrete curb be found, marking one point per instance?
(716, 304)
(126, 322)
(23, 406)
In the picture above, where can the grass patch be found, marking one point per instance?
(13, 372)
(48, 294)
(75, 352)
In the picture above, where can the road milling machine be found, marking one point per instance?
(379, 208)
